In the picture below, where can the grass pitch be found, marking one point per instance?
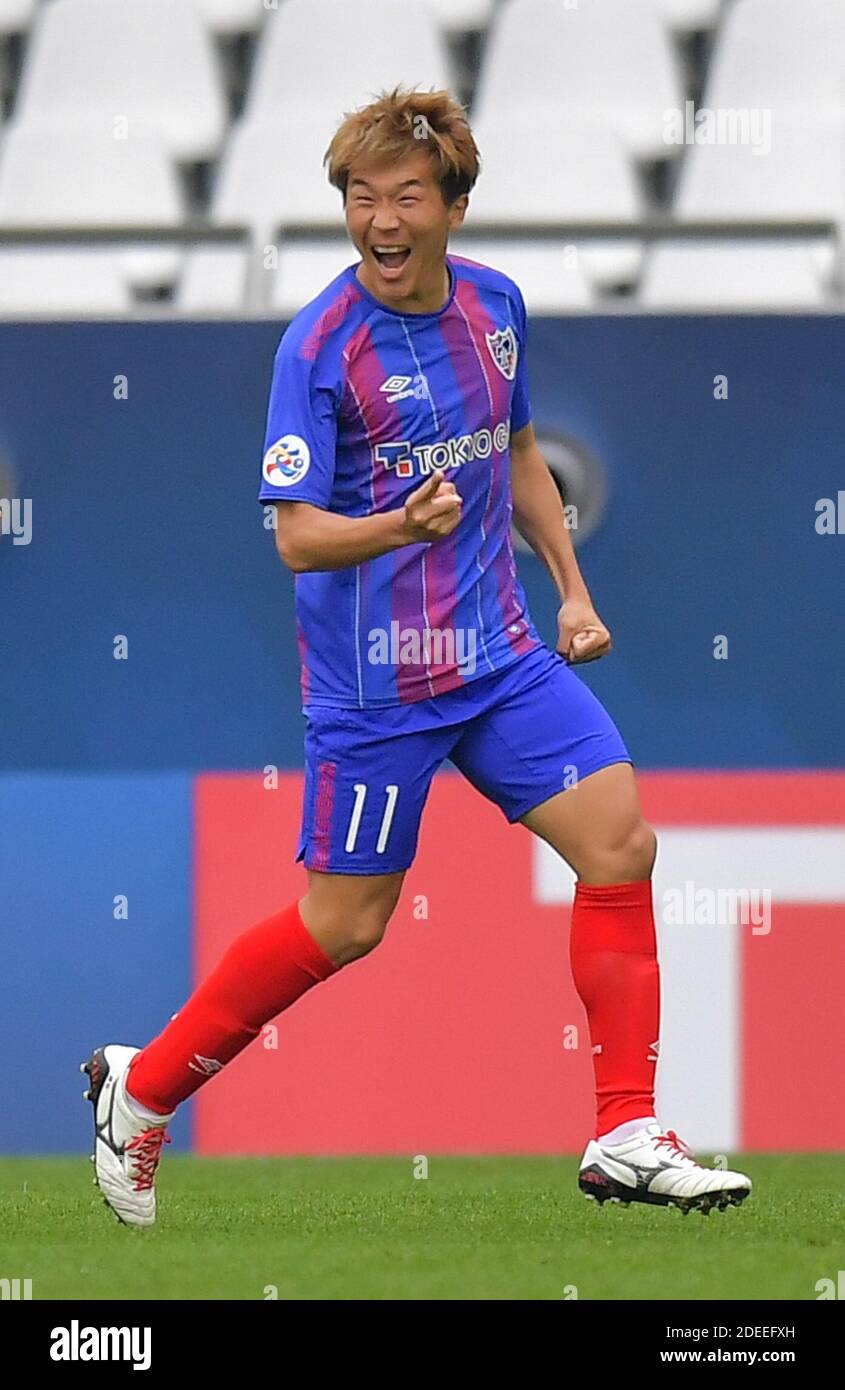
(365, 1228)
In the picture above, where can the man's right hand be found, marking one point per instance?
(433, 510)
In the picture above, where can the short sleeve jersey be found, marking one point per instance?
(365, 402)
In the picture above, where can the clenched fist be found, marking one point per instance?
(433, 510)
(582, 636)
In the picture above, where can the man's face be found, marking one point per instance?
(399, 223)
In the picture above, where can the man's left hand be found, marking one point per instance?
(582, 636)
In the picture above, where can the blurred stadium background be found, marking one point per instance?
(207, 120)
(163, 213)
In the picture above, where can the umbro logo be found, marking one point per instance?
(653, 1052)
(206, 1066)
(395, 388)
(399, 388)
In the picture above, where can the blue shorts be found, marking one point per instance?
(520, 735)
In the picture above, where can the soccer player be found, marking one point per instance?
(399, 445)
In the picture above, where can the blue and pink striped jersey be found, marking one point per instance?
(364, 403)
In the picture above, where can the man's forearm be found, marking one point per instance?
(539, 517)
(332, 542)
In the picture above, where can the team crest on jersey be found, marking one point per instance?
(503, 350)
(287, 461)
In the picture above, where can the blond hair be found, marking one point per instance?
(400, 123)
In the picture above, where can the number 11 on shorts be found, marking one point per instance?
(360, 789)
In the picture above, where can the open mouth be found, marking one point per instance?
(391, 258)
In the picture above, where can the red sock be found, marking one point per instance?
(613, 951)
(263, 972)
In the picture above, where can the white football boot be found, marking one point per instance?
(127, 1149)
(656, 1166)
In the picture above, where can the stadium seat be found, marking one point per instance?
(232, 16)
(78, 175)
(305, 269)
(782, 56)
(799, 176)
(688, 15)
(272, 174)
(556, 174)
(213, 281)
(151, 61)
(324, 57)
(15, 15)
(551, 278)
(55, 283)
(460, 16)
(732, 276)
(609, 62)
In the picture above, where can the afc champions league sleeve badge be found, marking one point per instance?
(287, 461)
(503, 350)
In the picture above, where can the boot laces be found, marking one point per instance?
(146, 1152)
(673, 1143)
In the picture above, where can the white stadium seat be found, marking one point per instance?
(213, 281)
(551, 172)
(232, 16)
(555, 174)
(739, 275)
(148, 61)
(687, 15)
(606, 62)
(552, 279)
(79, 175)
(800, 177)
(272, 174)
(780, 55)
(459, 16)
(328, 56)
(305, 269)
(15, 15)
(62, 282)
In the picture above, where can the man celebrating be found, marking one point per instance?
(399, 447)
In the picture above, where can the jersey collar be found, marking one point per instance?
(397, 313)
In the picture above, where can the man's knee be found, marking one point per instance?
(640, 851)
(626, 858)
(348, 922)
(368, 928)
